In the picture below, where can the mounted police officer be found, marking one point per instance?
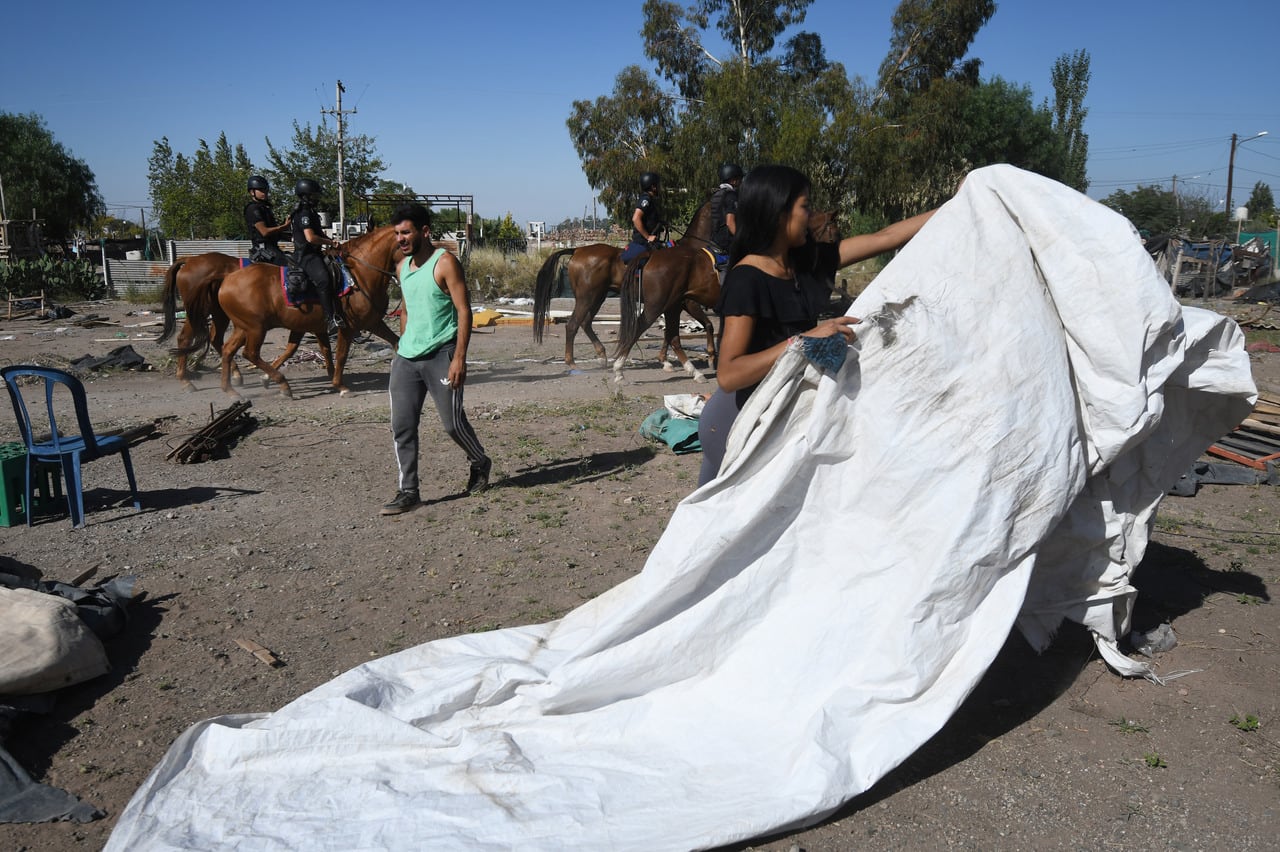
(309, 241)
(724, 208)
(646, 219)
(260, 220)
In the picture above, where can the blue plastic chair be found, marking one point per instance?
(70, 450)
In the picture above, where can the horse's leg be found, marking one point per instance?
(228, 353)
(336, 364)
(671, 335)
(220, 322)
(295, 338)
(648, 316)
(184, 338)
(593, 308)
(699, 313)
(253, 351)
(381, 329)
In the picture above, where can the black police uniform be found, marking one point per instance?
(651, 218)
(309, 256)
(265, 249)
(723, 203)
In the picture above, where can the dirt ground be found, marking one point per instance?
(281, 543)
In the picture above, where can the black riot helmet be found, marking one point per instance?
(649, 180)
(306, 187)
(259, 182)
(730, 171)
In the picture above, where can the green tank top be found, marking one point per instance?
(433, 320)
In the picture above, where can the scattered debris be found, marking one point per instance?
(122, 357)
(1256, 441)
(260, 652)
(217, 437)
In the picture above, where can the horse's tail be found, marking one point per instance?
(200, 305)
(543, 289)
(630, 305)
(170, 302)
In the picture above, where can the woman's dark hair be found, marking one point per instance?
(767, 192)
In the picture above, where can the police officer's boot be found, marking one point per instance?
(332, 322)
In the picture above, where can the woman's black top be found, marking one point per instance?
(781, 307)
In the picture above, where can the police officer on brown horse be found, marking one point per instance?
(646, 219)
(260, 220)
(724, 210)
(309, 241)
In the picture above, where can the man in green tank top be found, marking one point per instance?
(431, 359)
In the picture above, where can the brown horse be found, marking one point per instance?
(595, 271)
(253, 299)
(682, 278)
(183, 279)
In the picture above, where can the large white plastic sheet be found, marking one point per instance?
(1023, 391)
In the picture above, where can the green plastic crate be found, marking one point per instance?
(13, 481)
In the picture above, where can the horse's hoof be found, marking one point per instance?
(667, 368)
(286, 392)
(698, 377)
(344, 392)
(237, 380)
(266, 380)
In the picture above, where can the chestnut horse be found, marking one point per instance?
(595, 271)
(683, 277)
(253, 299)
(183, 279)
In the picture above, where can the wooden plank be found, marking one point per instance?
(1222, 452)
(1260, 426)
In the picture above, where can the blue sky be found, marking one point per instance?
(471, 98)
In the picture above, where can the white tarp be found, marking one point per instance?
(1023, 390)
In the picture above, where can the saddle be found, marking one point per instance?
(299, 289)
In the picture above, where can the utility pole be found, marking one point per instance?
(339, 112)
(1231, 165)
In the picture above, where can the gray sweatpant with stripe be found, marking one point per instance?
(410, 383)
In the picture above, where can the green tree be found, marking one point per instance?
(314, 154)
(621, 135)
(1070, 77)
(673, 37)
(929, 41)
(201, 196)
(1151, 209)
(1262, 206)
(113, 227)
(38, 173)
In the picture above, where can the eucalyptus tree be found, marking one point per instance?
(722, 107)
(618, 136)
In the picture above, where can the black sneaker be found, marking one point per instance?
(479, 480)
(404, 502)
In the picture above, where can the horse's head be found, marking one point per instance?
(823, 227)
(699, 231)
(374, 250)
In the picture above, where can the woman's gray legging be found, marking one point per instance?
(714, 423)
